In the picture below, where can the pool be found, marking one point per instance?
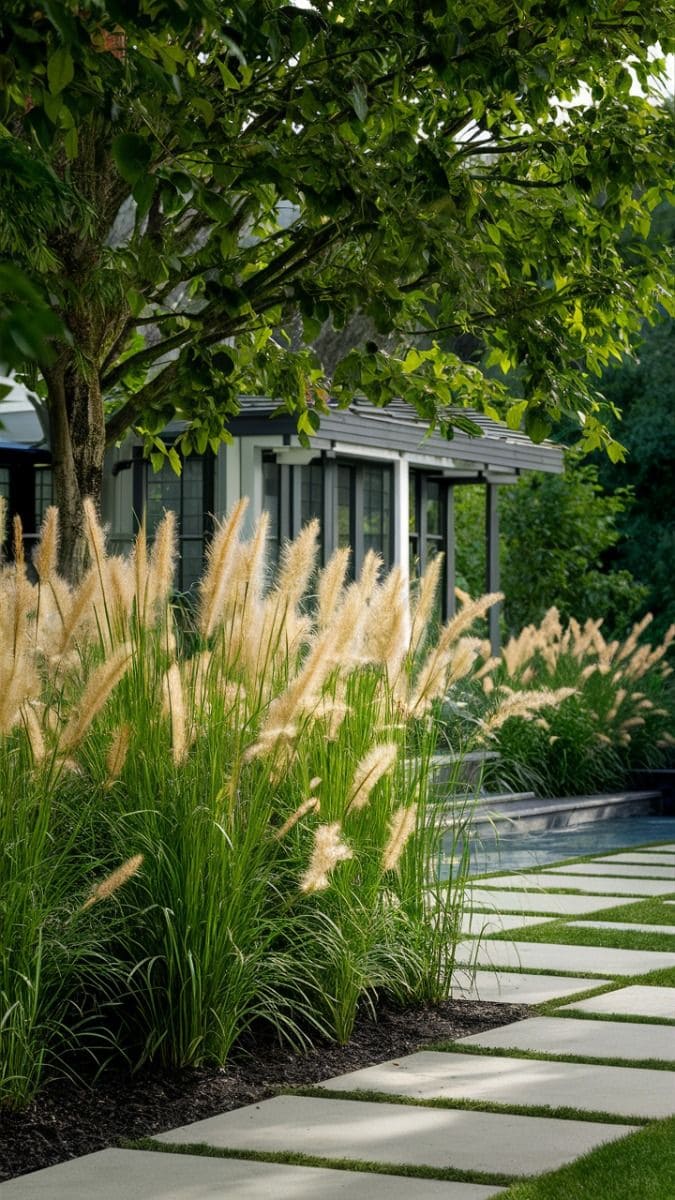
(519, 850)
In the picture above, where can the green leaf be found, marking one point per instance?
(60, 70)
(132, 155)
(359, 100)
(537, 424)
(515, 414)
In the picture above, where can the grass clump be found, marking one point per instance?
(218, 823)
(570, 712)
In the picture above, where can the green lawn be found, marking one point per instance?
(639, 1167)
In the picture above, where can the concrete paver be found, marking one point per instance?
(479, 924)
(514, 987)
(623, 870)
(628, 926)
(636, 1001)
(394, 1133)
(583, 883)
(635, 856)
(581, 1038)
(154, 1175)
(662, 848)
(623, 1091)
(551, 956)
(538, 902)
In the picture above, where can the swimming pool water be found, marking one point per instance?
(518, 850)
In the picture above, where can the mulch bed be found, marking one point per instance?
(67, 1121)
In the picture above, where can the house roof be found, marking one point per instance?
(398, 427)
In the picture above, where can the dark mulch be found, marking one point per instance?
(68, 1121)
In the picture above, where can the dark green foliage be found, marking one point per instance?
(556, 533)
(645, 392)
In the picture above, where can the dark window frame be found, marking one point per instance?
(289, 512)
(141, 469)
(419, 535)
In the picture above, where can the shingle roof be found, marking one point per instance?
(398, 427)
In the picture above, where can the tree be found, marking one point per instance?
(441, 169)
(645, 392)
(558, 535)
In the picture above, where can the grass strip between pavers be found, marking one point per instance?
(560, 1113)
(650, 1064)
(640, 1166)
(294, 1159)
(562, 933)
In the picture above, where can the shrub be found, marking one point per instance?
(225, 822)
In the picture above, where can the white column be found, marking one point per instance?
(401, 514)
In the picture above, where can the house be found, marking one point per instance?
(376, 479)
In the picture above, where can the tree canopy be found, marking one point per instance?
(177, 180)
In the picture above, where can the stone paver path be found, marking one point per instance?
(633, 1001)
(611, 886)
(395, 1133)
(634, 856)
(624, 926)
(359, 1120)
(543, 956)
(517, 987)
(624, 870)
(152, 1175)
(582, 1038)
(537, 901)
(428, 1075)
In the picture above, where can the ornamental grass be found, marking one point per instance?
(220, 824)
(571, 712)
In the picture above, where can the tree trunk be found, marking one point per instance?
(78, 447)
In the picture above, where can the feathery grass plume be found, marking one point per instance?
(488, 685)
(162, 562)
(631, 641)
(424, 603)
(330, 586)
(3, 526)
(253, 561)
(401, 826)
(34, 732)
(467, 616)
(379, 761)
(309, 805)
(631, 723)
(371, 570)
(100, 685)
(17, 545)
(619, 698)
(95, 538)
(603, 739)
(79, 610)
(444, 665)
(47, 548)
(215, 581)
(174, 702)
(139, 558)
(387, 630)
(524, 705)
(298, 559)
(108, 886)
(328, 649)
(117, 753)
(328, 850)
(121, 589)
(487, 667)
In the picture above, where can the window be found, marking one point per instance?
(190, 496)
(44, 488)
(272, 503)
(4, 483)
(292, 497)
(429, 533)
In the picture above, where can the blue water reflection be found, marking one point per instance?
(519, 850)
